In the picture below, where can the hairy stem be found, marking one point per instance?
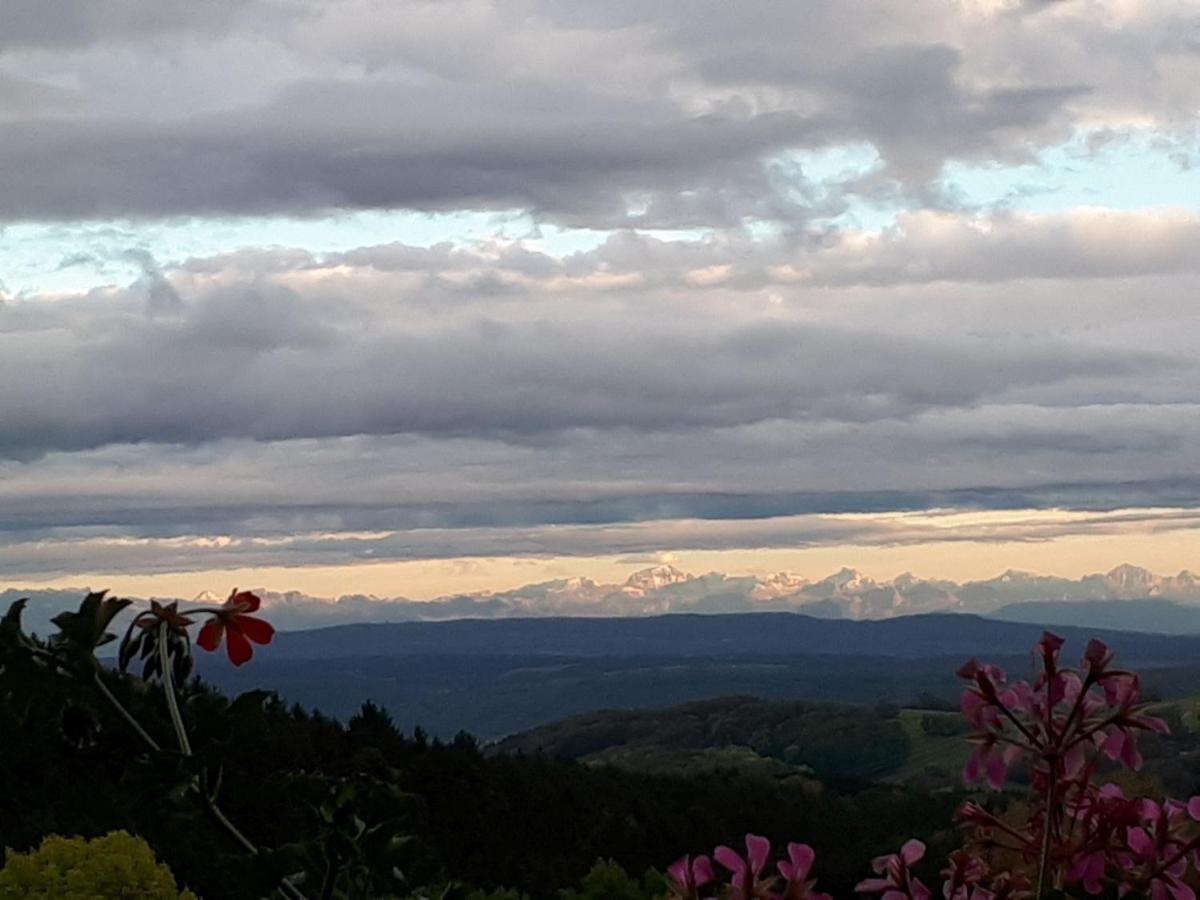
(1029, 735)
(168, 683)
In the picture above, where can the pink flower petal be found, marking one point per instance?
(996, 770)
(678, 871)
(730, 859)
(912, 851)
(758, 850)
(872, 885)
(802, 857)
(1140, 841)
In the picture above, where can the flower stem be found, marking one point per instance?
(185, 747)
(168, 683)
(233, 830)
(1045, 856)
(286, 887)
(1048, 807)
(125, 714)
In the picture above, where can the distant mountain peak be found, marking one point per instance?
(847, 580)
(1008, 576)
(780, 584)
(1129, 570)
(1134, 581)
(657, 577)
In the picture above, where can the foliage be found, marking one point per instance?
(114, 866)
(526, 823)
(360, 811)
(1063, 729)
(101, 741)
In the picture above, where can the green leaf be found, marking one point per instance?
(87, 628)
(12, 619)
(129, 649)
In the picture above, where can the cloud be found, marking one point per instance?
(764, 363)
(669, 117)
(177, 360)
(245, 397)
(321, 146)
(1082, 243)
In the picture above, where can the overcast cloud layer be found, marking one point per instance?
(732, 343)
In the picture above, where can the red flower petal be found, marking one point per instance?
(209, 637)
(258, 630)
(237, 647)
(245, 601)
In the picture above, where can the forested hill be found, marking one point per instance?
(825, 740)
(494, 678)
(765, 634)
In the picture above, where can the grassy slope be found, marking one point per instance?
(945, 754)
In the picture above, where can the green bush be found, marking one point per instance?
(117, 866)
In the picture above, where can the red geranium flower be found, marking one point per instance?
(237, 627)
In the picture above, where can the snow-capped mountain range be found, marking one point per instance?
(666, 589)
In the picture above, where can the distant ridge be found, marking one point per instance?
(1150, 615)
(765, 635)
(495, 677)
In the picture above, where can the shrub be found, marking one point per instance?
(117, 866)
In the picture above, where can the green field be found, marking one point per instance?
(936, 756)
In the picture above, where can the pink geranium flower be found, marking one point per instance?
(746, 874)
(897, 881)
(689, 875)
(795, 871)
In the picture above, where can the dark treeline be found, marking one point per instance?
(69, 766)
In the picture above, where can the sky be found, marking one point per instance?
(413, 298)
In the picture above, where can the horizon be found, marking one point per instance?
(665, 589)
(670, 564)
(459, 577)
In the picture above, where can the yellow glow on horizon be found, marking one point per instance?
(1164, 541)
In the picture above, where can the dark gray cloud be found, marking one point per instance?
(76, 552)
(273, 361)
(672, 117)
(66, 23)
(566, 153)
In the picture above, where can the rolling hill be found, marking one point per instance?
(496, 677)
